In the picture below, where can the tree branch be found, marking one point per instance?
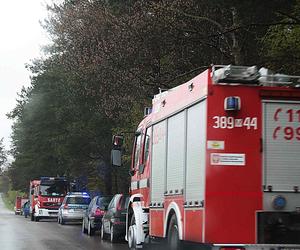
(234, 28)
(184, 74)
(289, 16)
(199, 18)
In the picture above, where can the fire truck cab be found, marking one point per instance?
(216, 162)
(46, 196)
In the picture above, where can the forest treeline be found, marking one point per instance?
(109, 57)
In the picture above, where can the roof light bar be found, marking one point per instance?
(79, 193)
(52, 178)
(235, 74)
(231, 74)
(267, 77)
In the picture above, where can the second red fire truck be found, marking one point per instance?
(19, 204)
(46, 196)
(217, 162)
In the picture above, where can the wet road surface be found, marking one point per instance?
(17, 233)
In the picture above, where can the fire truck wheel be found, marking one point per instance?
(132, 234)
(173, 234)
(36, 218)
(90, 229)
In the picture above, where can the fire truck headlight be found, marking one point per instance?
(279, 202)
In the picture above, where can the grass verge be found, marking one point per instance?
(7, 202)
(8, 195)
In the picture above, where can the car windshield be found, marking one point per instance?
(53, 189)
(103, 202)
(78, 200)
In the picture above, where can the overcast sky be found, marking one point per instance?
(20, 41)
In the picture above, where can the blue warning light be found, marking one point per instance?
(232, 103)
(279, 202)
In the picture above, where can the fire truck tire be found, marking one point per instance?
(83, 229)
(36, 218)
(173, 234)
(132, 234)
(90, 230)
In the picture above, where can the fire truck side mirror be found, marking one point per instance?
(117, 141)
(116, 158)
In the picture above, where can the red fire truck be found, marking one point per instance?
(217, 162)
(46, 196)
(19, 204)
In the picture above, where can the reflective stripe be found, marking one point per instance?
(134, 185)
(140, 184)
(144, 183)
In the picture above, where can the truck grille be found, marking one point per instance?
(51, 205)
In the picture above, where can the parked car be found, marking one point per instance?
(25, 209)
(92, 219)
(73, 207)
(114, 219)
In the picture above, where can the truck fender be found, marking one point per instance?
(173, 208)
(135, 207)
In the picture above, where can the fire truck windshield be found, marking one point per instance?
(53, 189)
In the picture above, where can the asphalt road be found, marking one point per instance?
(17, 233)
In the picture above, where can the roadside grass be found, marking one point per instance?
(8, 203)
(8, 195)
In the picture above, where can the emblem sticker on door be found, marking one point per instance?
(228, 159)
